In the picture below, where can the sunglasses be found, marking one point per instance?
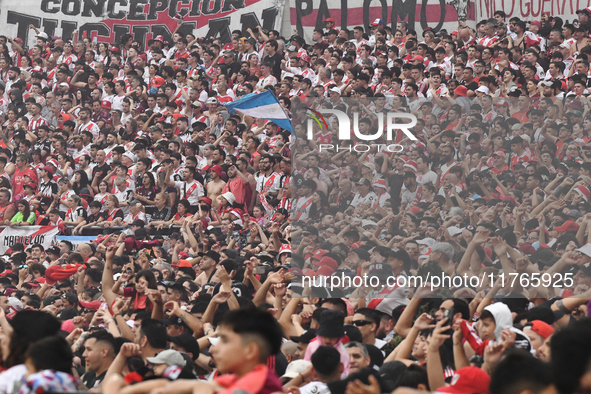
(361, 323)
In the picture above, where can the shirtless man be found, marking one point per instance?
(216, 185)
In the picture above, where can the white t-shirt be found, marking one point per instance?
(315, 388)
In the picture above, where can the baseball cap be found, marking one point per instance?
(377, 22)
(468, 380)
(541, 328)
(168, 357)
(187, 342)
(569, 225)
(362, 253)
(212, 100)
(306, 337)
(499, 153)
(295, 368)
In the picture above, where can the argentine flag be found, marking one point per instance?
(262, 105)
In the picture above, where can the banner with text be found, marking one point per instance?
(108, 20)
(307, 15)
(28, 236)
(531, 10)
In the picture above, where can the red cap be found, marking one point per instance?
(318, 254)
(305, 57)
(183, 263)
(536, 23)
(417, 57)
(461, 91)
(90, 305)
(414, 210)
(217, 169)
(32, 185)
(583, 191)
(106, 104)
(329, 20)
(114, 49)
(468, 380)
(541, 328)
(569, 225)
(327, 261)
(325, 270)
(206, 200)
(159, 38)
(157, 81)
(499, 153)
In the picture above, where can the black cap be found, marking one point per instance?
(306, 337)
(517, 140)
(402, 255)
(187, 342)
(215, 256)
(362, 253)
(331, 324)
(310, 229)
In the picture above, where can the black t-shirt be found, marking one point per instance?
(472, 86)
(90, 379)
(275, 60)
(101, 171)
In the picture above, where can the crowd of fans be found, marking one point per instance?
(213, 230)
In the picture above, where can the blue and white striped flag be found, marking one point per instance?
(262, 105)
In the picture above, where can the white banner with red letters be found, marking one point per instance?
(108, 20)
(27, 235)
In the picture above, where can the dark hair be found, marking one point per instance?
(520, 369)
(253, 324)
(326, 361)
(27, 212)
(28, 327)
(51, 353)
(105, 337)
(154, 331)
(571, 351)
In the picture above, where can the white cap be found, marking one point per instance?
(586, 250)
(43, 35)
(295, 368)
(483, 89)
(453, 231)
(427, 241)
(229, 196)
(131, 156)
(335, 90)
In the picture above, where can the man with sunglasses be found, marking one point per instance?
(368, 321)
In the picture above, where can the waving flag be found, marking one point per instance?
(263, 105)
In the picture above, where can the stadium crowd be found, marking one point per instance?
(210, 225)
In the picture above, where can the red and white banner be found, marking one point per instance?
(28, 236)
(109, 20)
(307, 15)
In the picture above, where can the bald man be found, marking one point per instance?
(102, 168)
(85, 250)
